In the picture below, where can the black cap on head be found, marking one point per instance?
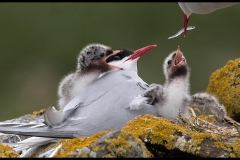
(120, 55)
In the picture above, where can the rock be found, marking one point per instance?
(161, 132)
(224, 83)
(145, 136)
(7, 152)
(105, 144)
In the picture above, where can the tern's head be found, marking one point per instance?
(126, 58)
(175, 65)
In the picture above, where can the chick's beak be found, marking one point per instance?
(141, 51)
(178, 58)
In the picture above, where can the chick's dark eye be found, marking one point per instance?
(102, 55)
(116, 58)
(169, 62)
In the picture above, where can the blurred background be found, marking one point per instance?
(39, 44)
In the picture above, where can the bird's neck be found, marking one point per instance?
(178, 85)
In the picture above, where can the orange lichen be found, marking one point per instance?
(7, 152)
(70, 145)
(225, 84)
(37, 113)
(158, 130)
(207, 118)
(232, 148)
(126, 145)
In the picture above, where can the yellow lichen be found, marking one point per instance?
(225, 84)
(37, 113)
(95, 148)
(207, 152)
(7, 152)
(231, 155)
(233, 148)
(103, 147)
(122, 146)
(118, 145)
(158, 129)
(224, 145)
(84, 155)
(207, 118)
(236, 147)
(70, 145)
(162, 131)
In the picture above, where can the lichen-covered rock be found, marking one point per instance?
(7, 152)
(225, 84)
(37, 113)
(163, 132)
(35, 117)
(105, 144)
(11, 138)
(144, 136)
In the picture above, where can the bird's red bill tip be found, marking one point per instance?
(141, 51)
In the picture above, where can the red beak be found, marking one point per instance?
(141, 52)
(185, 24)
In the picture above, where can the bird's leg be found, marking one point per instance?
(151, 95)
(205, 99)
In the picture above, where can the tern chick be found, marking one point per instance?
(173, 98)
(90, 64)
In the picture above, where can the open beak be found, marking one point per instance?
(178, 58)
(110, 65)
(113, 66)
(186, 18)
(141, 51)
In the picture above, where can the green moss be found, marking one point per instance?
(7, 152)
(225, 84)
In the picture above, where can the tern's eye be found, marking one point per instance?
(169, 62)
(116, 58)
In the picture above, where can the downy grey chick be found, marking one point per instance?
(173, 98)
(90, 64)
